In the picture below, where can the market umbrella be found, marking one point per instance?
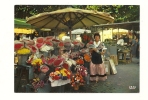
(23, 30)
(70, 18)
(21, 23)
(80, 31)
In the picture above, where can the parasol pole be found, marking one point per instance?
(70, 32)
(102, 34)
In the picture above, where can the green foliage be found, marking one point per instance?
(121, 13)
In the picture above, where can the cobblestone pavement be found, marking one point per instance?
(125, 81)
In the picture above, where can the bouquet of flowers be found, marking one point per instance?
(45, 48)
(67, 44)
(55, 42)
(40, 40)
(33, 48)
(76, 81)
(87, 57)
(82, 70)
(80, 61)
(59, 61)
(44, 68)
(37, 83)
(61, 44)
(18, 45)
(31, 58)
(48, 42)
(51, 60)
(37, 62)
(28, 42)
(60, 73)
(86, 37)
(23, 51)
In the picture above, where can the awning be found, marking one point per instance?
(134, 25)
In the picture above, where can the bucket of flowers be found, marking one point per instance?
(36, 63)
(23, 54)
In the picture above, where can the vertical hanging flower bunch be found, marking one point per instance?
(86, 37)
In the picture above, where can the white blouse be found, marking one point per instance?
(96, 45)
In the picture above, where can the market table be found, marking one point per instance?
(126, 56)
(28, 75)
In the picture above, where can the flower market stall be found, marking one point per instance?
(52, 63)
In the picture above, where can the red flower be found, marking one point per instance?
(39, 45)
(55, 40)
(75, 42)
(61, 44)
(48, 42)
(51, 60)
(57, 62)
(40, 40)
(33, 48)
(66, 66)
(80, 61)
(18, 46)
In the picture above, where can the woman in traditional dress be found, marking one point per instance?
(97, 67)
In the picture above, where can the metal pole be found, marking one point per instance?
(112, 33)
(102, 34)
(118, 31)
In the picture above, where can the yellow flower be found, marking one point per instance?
(23, 51)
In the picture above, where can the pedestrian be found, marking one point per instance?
(137, 48)
(97, 67)
(134, 46)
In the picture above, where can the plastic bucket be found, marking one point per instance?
(22, 59)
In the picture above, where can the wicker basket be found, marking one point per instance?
(76, 87)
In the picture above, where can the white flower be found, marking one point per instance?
(45, 48)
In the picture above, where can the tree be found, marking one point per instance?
(121, 13)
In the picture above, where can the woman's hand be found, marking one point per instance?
(103, 52)
(95, 49)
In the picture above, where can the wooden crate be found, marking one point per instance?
(107, 67)
(113, 68)
(114, 58)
